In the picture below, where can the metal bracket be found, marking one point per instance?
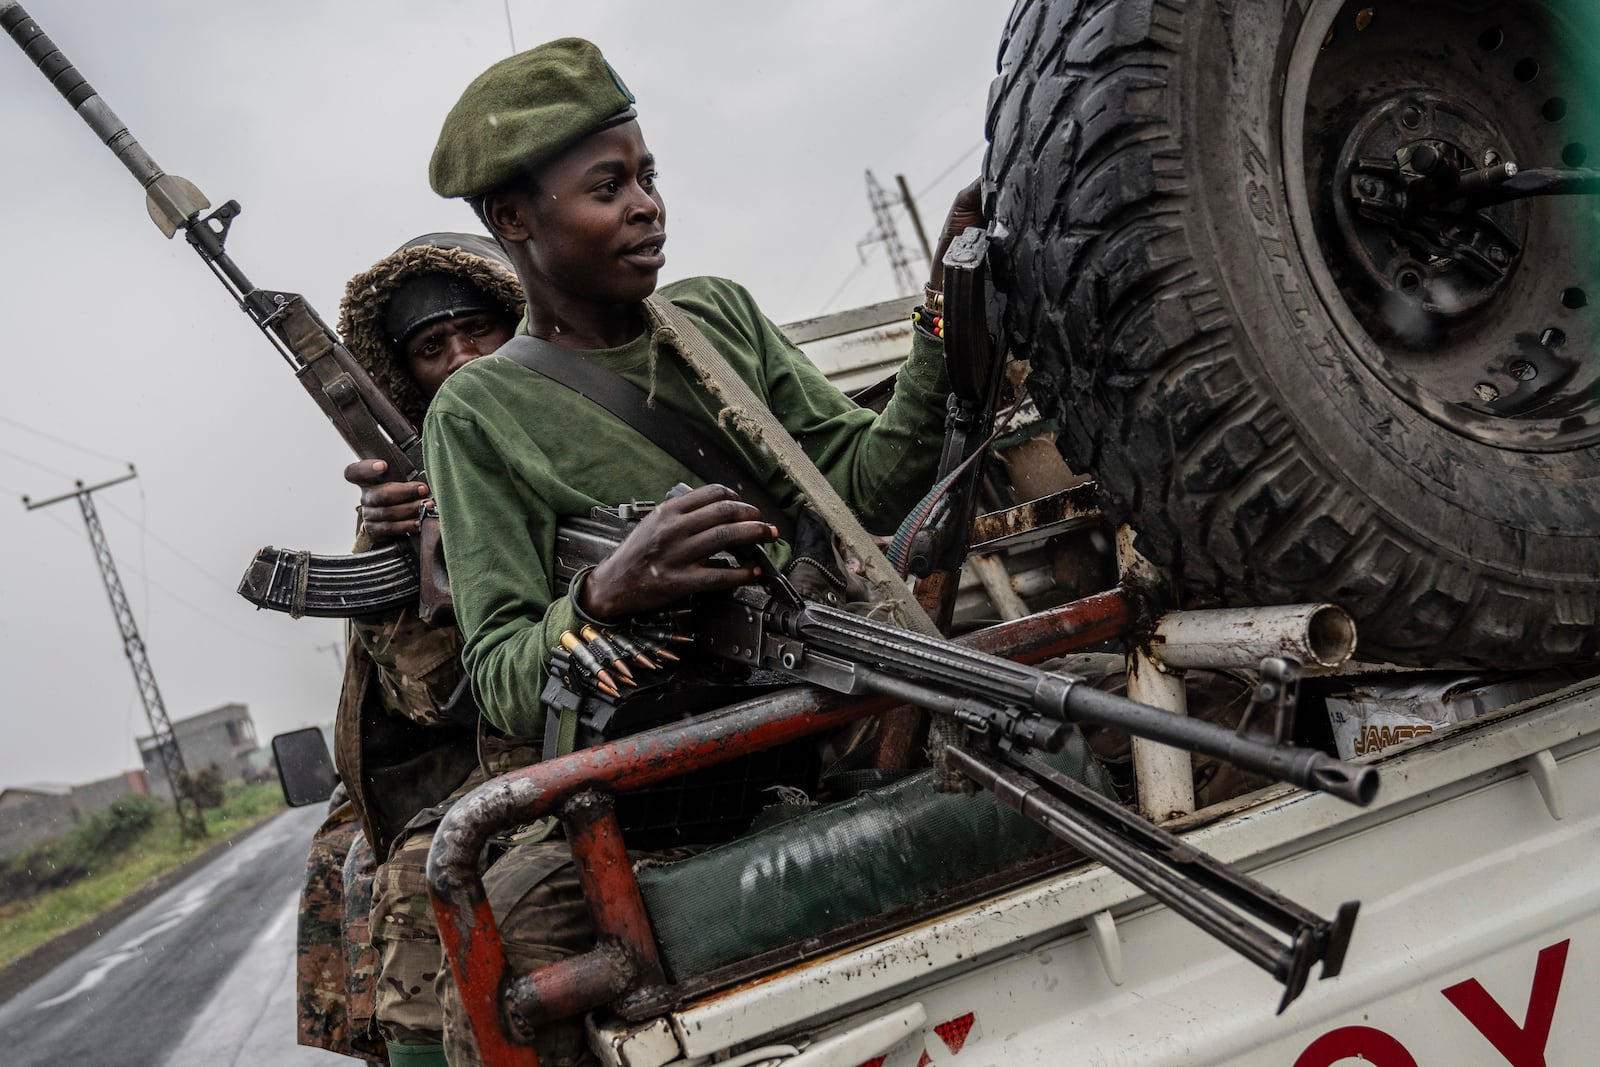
(1268, 929)
(1275, 694)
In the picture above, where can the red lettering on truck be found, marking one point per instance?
(1363, 1042)
(1522, 1046)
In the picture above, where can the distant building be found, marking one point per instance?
(96, 795)
(224, 736)
(33, 814)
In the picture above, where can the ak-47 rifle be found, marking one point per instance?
(368, 420)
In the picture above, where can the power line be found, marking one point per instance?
(177, 552)
(141, 523)
(828, 304)
(144, 548)
(943, 174)
(165, 740)
(255, 638)
(885, 233)
(34, 463)
(61, 441)
(855, 273)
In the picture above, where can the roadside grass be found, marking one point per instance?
(27, 924)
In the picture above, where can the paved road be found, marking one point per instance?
(203, 976)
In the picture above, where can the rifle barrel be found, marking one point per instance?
(77, 91)
(932, 665)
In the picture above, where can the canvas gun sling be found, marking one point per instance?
(658, 424)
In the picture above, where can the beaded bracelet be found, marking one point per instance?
(930, 324)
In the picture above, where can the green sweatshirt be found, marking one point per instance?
(509, 453)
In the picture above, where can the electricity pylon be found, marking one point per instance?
(189, 815)
(884, 233)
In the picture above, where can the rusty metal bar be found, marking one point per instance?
(1069, 509)
(467, 927)
(1315, 635)
(606, 875)
(625, 953)
(1163, 775)
(565, 988)
(472, 944)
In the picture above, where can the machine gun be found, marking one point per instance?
(1009, 711)
(364, 416)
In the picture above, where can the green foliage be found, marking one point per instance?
(205, 785)
(114, 829)
(98, 837)
(42, 915)
(244, 803)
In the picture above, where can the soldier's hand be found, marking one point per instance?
(388, 509)
(668, 555)
(966, 211)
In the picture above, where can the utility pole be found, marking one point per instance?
(189, 815)
(884, 233)
(916, 217)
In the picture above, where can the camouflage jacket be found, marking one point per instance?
(394, 750)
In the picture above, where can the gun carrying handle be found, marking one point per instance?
(970, 354)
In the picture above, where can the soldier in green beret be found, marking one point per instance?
(547, 148)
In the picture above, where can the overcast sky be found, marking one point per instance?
(319, 119)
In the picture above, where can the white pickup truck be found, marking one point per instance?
(1304, 285)
(1477, 942)
(1474, 867)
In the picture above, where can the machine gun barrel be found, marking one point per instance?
(944, 675)
(1268, 929)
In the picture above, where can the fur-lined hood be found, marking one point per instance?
(366, 299)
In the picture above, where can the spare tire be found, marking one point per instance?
(1293, 357)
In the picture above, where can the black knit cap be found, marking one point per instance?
(427, 298)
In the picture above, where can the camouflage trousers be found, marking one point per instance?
(334, 964)
(405, 933)
(538, 905)
(406, 940)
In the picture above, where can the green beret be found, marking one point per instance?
(523, 112)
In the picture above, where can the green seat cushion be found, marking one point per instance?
(839, 864)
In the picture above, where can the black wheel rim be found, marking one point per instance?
(1477, 315)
